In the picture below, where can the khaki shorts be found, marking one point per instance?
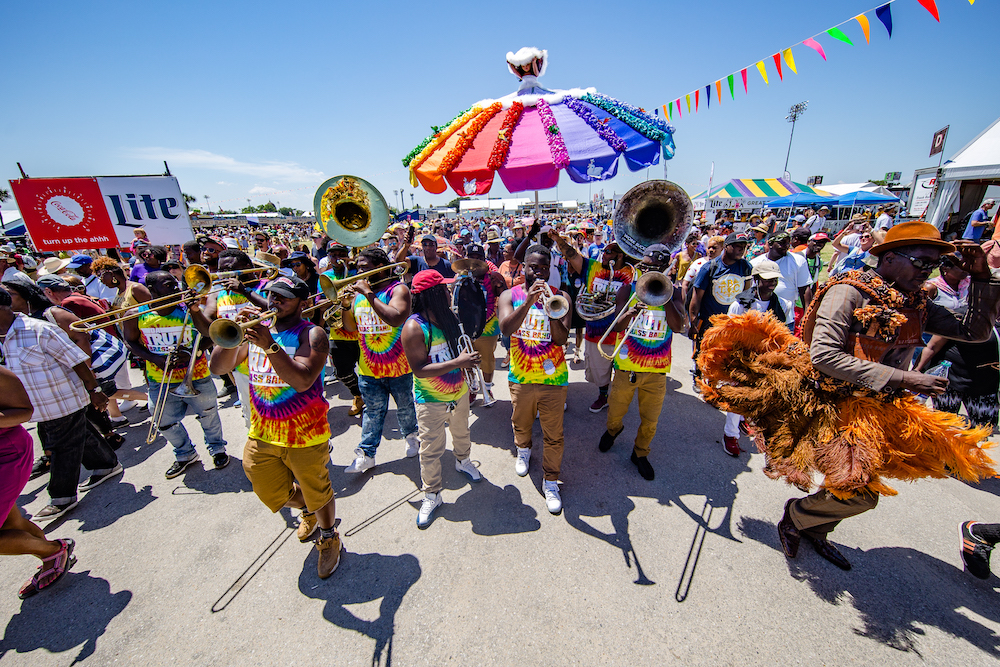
(273, 470)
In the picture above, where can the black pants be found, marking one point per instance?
(71, 441)
(344, 354)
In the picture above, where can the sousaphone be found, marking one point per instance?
(351, 211)
(656, 211)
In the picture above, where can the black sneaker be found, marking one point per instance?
(607, 441)
(221, 460)
(177, 467)
(51, 512)
(98, 479)
(42, 465)
(975, 551)
(642, 463)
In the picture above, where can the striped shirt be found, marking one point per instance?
(43, 357)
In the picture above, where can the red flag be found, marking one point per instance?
(696, 95)
(777, 63)
(931, 7)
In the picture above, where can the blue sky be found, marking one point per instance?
(265, 100)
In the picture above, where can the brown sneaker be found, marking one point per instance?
(329, 555)
(307, 526)
(359, 405)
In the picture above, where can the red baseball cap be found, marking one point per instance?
(819, 236)
(426, 279)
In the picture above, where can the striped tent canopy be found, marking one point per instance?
(760, 188)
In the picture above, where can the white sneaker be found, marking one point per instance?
(521, 464)
(362, 463)
(412, 445)
(469, 469)
(125, 406)
(426, 514)
(552, 499)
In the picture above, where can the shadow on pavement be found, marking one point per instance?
(896, 591)
(362, 578)
(490, 509)
(208, 480)
(75, 611)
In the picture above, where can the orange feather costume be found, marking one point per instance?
(752, 365)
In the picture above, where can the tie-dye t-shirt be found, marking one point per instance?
(534, 359)
(381, 344)
(228, 304)
(340, 334)
(279, 415)
(443, 388)
(600, 279)
(492, 327)
(159, 334)
(647, 348)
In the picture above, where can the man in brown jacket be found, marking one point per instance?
(846, 350)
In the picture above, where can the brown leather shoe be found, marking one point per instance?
(308, 524)
(826, 549)
(788, 533)
(329, 555)
(359, 405)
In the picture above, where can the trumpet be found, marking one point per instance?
(197, 277)
(651, 290)
(473, 376)
(230, 333)
(198, 287)
(331, 289)
(555, 305)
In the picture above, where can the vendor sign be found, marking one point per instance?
(101, 212)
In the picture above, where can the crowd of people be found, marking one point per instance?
(422, 326)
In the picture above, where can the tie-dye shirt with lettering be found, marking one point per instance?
(279, 415)
(598, 279)
(534, 358)
(492, 327)
(647, 347)
(381, 344)
(340, 334)
(443, 388)
(159, 334)
(227, 305)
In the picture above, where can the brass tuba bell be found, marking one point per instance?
(351, 211)
(655, 211)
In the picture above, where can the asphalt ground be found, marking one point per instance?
(684, 570)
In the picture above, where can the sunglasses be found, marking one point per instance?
(213, 251)
(921, 264)
(294, 264)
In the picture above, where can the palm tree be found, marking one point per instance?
(207, 204)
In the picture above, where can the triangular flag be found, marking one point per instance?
(777, 63)
(931, 7)
(665, 114)
(863, 22)
(718, 90)
(743, 73)
(815, 46)
(708, 96)
(670, 110)
(688, 98)
(884, 14)
(731, 94)
(837, 33)
(763, 71)
(697, 94)
(789, 59)
(679, 114)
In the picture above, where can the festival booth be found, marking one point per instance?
(746, 195)
(11, 223)
(963, 180)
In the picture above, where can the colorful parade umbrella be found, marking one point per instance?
(531, 135)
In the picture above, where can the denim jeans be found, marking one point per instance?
(70, 441)
(205, 405)
(375, 392)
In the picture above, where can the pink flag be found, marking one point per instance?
(815, 46)
(743, 73)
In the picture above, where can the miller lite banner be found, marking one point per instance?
(102, 211)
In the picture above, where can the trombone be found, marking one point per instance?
(651, 290)
(229, 334)
(161, 398)
(196, 276)
(198, 286)
(331, 290)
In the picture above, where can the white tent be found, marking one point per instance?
(964, 179)
(841, 189)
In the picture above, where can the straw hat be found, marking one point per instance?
(912, 233)
(52, 265)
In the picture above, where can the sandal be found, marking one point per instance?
(51, 570)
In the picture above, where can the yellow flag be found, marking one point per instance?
(688, 98)
(763, 71)
(787, 53)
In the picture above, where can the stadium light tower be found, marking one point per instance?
(793, 115)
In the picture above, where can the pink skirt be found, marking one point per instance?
(16, 447)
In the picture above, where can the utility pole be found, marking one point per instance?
(793, 115)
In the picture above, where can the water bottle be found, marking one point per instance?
(941, 370)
